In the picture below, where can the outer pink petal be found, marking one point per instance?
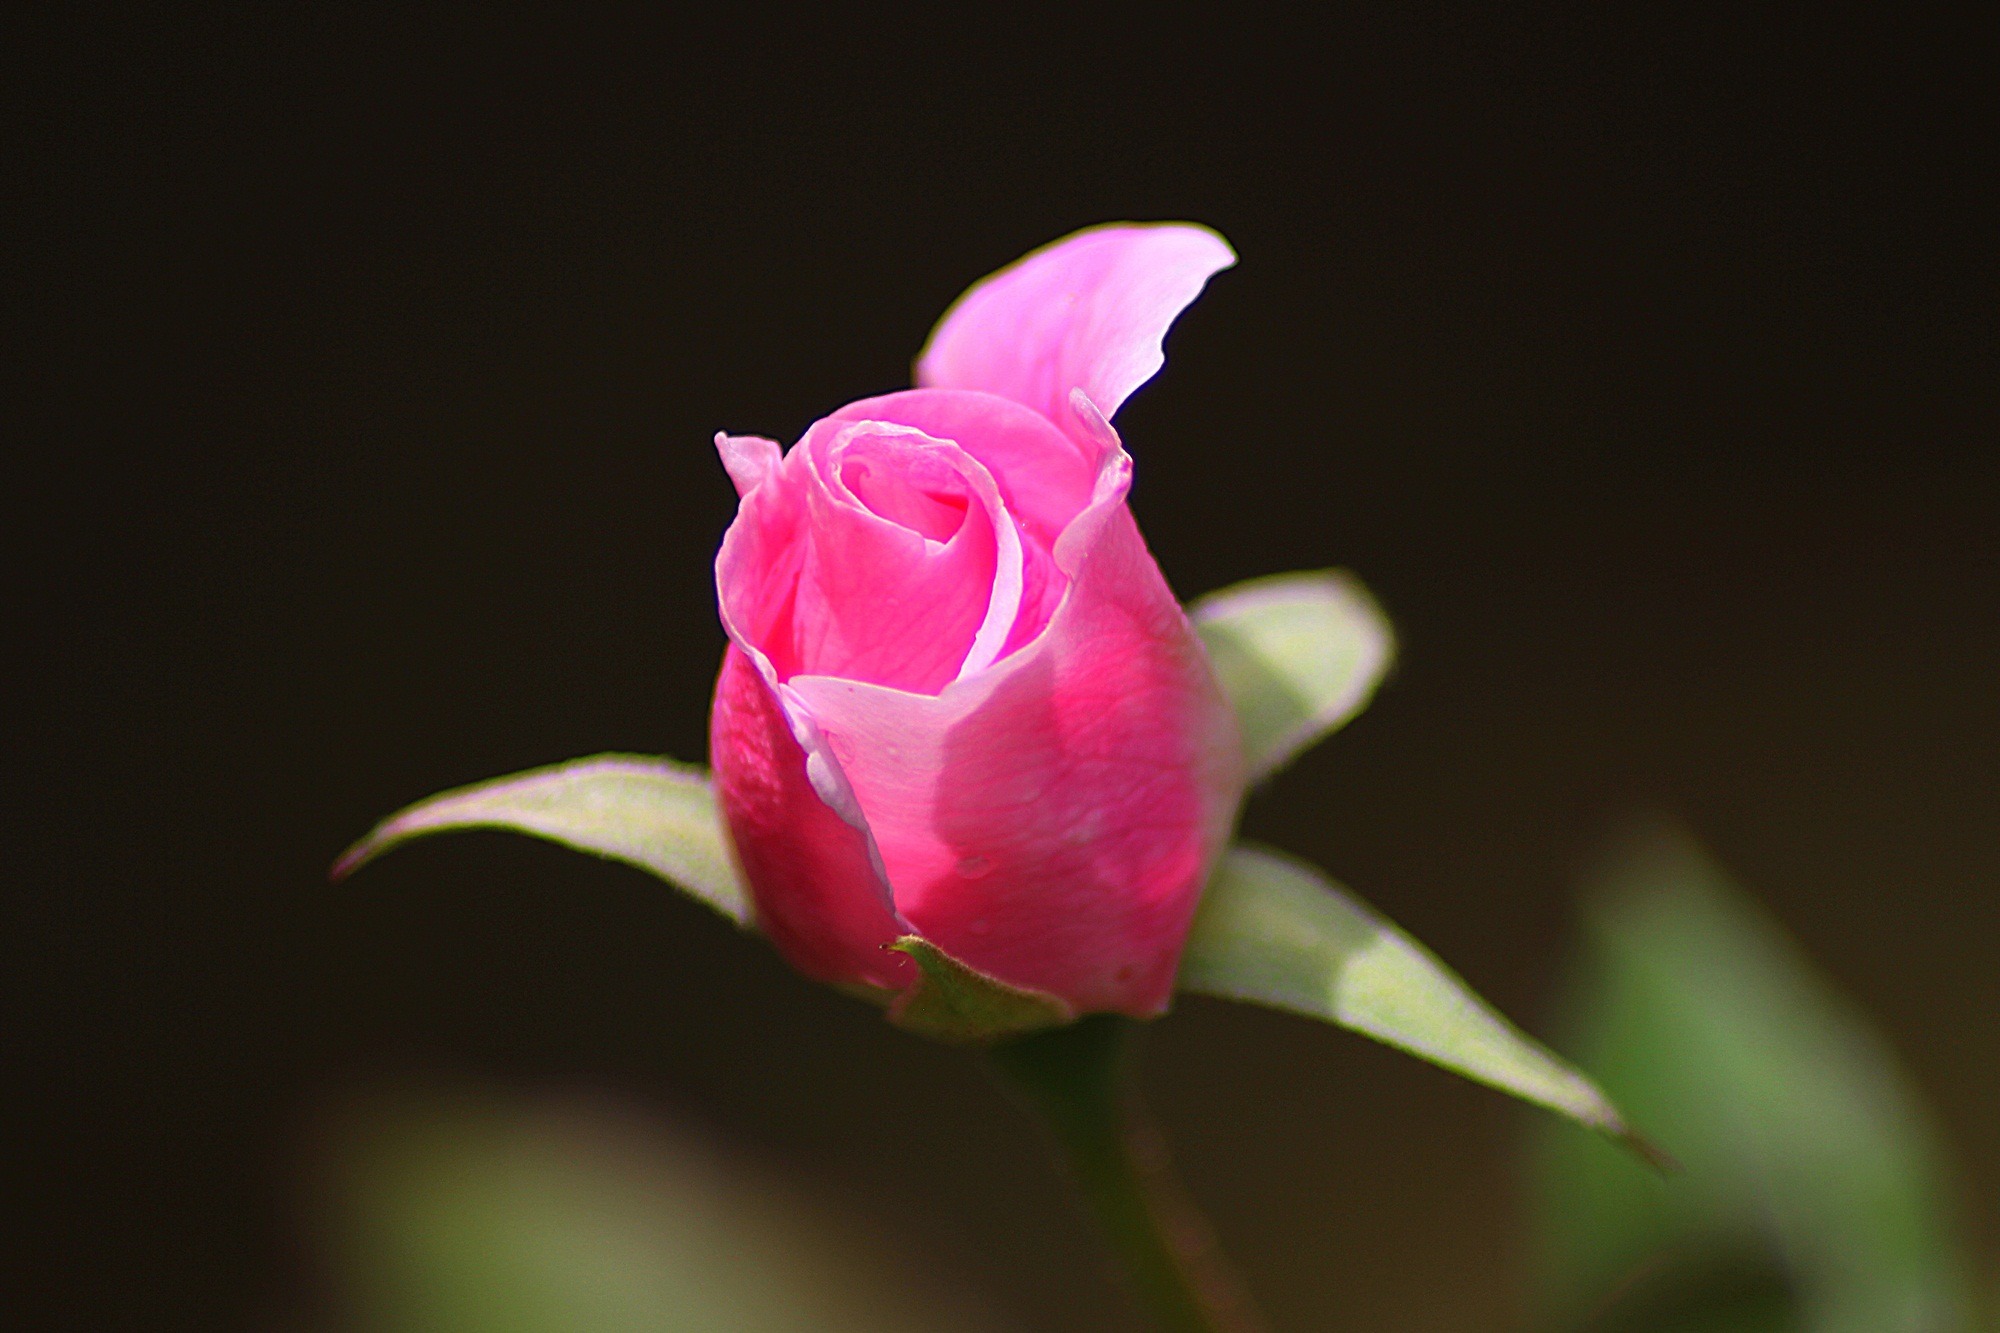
(1052, 820)
(748, 459)
(757, 569)
(811, 874)
(1088, 312)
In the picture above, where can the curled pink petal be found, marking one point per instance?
(748, 459)
(1043, 476)
(1088, 312)
(757, 569)
(913, 573)
(872, 551)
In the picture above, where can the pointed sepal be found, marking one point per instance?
(1274, 931)
(1298, 655)
(647, 812)
(955, 1003)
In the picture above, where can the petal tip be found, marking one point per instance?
(1089, 310)
(748, 459)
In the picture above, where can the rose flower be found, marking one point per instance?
(959, 700)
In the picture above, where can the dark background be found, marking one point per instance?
(364, 375)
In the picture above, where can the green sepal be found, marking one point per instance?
(645, 811)
(954, 1003)
(1272, 930)
(1298, 655)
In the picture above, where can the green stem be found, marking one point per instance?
(1080, 1080)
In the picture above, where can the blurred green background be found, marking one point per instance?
(443, 1210)
(1644, 366)
(1809, 1190)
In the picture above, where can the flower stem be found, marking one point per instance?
(1079, 1079)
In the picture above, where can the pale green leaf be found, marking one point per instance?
(1297, 654)
(651, 813)
(1816, 1195)
(1275, 931)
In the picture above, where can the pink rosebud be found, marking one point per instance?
(959, 699)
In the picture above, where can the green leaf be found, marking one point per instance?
(1297, 654)
(956, 1003)
(651, 813)
(1272, 930)
(1815, 1194)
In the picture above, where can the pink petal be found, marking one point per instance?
(1051, 820)
(1088, 312)
(748, 459)
(757, 569)
(814, 883)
